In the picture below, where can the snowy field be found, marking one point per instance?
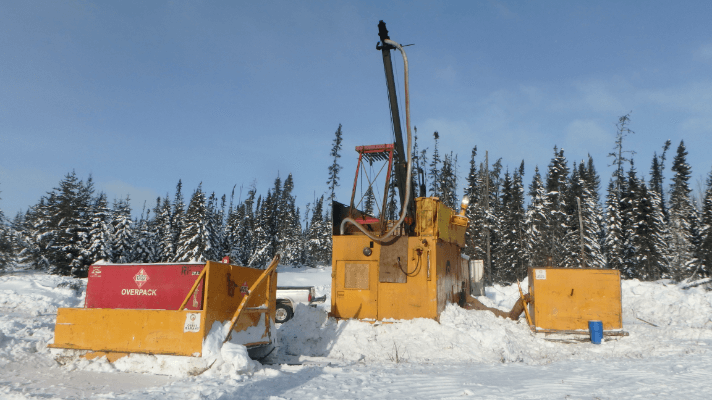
(469, 353)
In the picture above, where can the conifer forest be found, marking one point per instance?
(636, 220)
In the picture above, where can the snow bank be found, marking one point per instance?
(683, 319)
(663, 319)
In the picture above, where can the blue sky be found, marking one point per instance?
(142, 94)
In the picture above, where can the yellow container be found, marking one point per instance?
(178, 332)
(565, 299)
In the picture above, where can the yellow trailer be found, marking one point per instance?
(244, 297)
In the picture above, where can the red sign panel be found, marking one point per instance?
(144, 286)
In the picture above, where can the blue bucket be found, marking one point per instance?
(596, 330)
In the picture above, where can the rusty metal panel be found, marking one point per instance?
(143, 286)
(356, 276)
(451, 272)
(565, 299)
(393, 261)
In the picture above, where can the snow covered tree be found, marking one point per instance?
(369, 201)
(556, 186)
(178, 215)
(123, 229)
(513, 262)
(166, 231)
(474, 235)
(619, 155)
(289, 230)
(649, 258)
(142, 251)
(392, 212)
(100, 231)
(6, 250)
(244, 245)
(62, 225)
(613, 249)
(657, 177)
(448, 182)
(537, 220)
(682, 220)
(705, 248)
(215, 217)
(318, 238)
(334, 168)
(194, 241)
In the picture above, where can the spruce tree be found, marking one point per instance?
(474, 233)
(705, 249)
(592, 215)
(537, 221)
(649, 259)
(556, 186)
(166, 232)
(434, 171)
(317, 243)
(100, 231)
(6, 251)
(619, 155)
(244, 245)
(513, 262)
(178, 214)
(369, 201)
(682, 219)
(334, 169)
(657, 178)
(194, 241)
(142, 251)
(123, 229)
(448, 182)
(613, 249)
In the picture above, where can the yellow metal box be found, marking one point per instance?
(565, 299)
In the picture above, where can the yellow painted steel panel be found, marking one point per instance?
(351, 302)
(567, 298)
(221, 302)
(437, 220)
(130, 331)
(355, 303)
(171, 331)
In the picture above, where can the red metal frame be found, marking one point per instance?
(374, 149)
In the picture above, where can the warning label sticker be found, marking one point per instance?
(192, 322)
(140, 278)
(540, 273)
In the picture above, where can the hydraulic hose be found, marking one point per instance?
(408, 166)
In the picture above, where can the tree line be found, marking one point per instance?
(641, 228)
(72, 227)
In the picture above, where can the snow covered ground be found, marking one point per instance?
(469, 353)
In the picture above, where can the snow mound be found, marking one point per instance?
(683, 319)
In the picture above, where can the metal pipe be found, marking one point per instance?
(404, 211)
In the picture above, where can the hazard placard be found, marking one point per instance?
(192, 322)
